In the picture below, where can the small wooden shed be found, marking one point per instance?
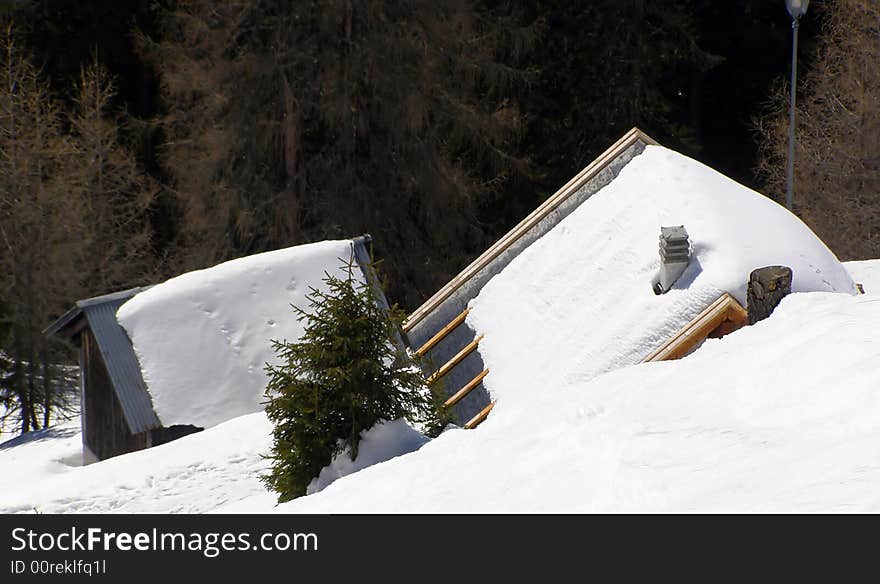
(116, 410)
(117, 413)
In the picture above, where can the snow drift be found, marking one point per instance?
(194, 474)
(203, 338)
(783, 416)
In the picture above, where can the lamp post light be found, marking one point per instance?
(796, 8)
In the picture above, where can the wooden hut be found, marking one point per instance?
(116, 407)
(116, 410)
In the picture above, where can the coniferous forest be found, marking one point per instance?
(143, 139)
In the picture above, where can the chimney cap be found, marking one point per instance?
(673, 232)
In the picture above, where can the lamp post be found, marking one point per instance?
(796, 8)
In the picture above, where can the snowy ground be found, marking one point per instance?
(866, 273)
(194, 474)
(191, 475)
(783, 416)
(780, 416)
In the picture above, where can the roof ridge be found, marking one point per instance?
(591, 170)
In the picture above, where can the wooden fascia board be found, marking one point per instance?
(594, 168)
(725, 311)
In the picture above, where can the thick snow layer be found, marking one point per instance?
(37, 457)
(579, 301)
(866, 273)
(382, 442)
(191, 475)
(43, 470)
(781, 416)
(203, 338)
(778, 417)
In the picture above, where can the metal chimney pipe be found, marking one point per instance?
(675, 255)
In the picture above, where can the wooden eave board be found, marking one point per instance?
(724, 309)
(594, 168)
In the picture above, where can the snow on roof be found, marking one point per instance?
(203, 338)
(782, 416)
(579, 301)
(866, 273)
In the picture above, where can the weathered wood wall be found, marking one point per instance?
(105, 431)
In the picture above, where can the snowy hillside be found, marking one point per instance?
(781, 416)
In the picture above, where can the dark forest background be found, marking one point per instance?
(142, 139)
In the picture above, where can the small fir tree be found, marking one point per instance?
(344, 375)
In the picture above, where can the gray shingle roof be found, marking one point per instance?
(121, 362)
(118, 354)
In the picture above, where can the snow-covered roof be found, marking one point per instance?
(866, 273)
(452, 299)
(192, 350)
(203, 338)
(782, 416)
(582, 294)
(576, 280)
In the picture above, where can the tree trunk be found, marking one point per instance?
(47, 393)
(18, 382)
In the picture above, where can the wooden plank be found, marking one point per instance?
(478, 419)
(737, 313)
(453, 324)
(548, 206)
(466, 389)
(724, 310)
(447, 367)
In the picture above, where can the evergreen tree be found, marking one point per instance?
(296, 121)
(117, 193)
(41, 226)
(343, 376)
(604, 67)
(73, 222)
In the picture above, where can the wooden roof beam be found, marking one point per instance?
(442, 333)
(723, 316)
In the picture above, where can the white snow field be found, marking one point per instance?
(42, 472)
(783, 416)
(866, 273)
(777, 417)
(190, 475)
(203, 338)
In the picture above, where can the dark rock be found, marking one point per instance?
(767, 287)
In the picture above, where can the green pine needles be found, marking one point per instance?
(342, 376)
